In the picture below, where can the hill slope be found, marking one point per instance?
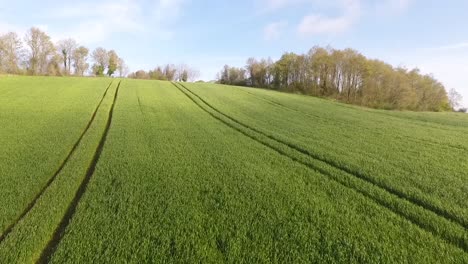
(203, 172)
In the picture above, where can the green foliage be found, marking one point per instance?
(98, 70)
(184, 76)
(345, 75)
(111, 70)
(113, 63)
(169, 72)
(159, 73)
(233, 75)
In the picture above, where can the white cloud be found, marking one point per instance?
(321, 24)
(448, 66)
(274, 30)
(94, 22)
(452, 72)
(350, 11)
(271, 5)
(42, 27)
(399, 5)
(461, 45)
(168, 10)
(387, 7)
(165, 13)
(402, 4)
(6, 27)
(86, 32)
(317, 24)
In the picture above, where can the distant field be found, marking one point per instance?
(111, 171)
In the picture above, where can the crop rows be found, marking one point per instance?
(369, 129)
(41, 120)
(422, 173)
(60, 168)
(176, 184)
(169, 172)
(454, 234)
(59, 231)
(30, 234)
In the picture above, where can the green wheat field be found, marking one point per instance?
(102, 170)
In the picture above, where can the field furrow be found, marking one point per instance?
(428, 173)
(174, 184)
(407, 208)
(59, 231)
(40, 124)
(369, 130)
(33, 232)
(161, 172)
(57, 172)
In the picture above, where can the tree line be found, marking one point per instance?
(344, 75)
(169, 72)
(37, 54)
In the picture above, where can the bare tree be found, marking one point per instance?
(80, 55)
(122, 68)
(182, 73)
(2, 55)
(455, 99)
(10, 53)
(186, 73)
(193, 74)
(53, 65)
(41, 49)
(101, 61)
(66, 48)
(170, 72)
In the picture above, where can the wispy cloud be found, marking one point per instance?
(95, 22)
(401, 4)
(164, 14)
(317, 22)
(456, 46)
(7, 27)
(274, 30)
(272, 5)
(323, 24)
(168, 10)
(392, 7)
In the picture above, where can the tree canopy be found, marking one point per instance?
(169, 72)
(344, 75)
(39, 55)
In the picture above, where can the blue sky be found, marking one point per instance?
(431, 35)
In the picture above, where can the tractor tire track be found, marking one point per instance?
(140, 105)
(439, 211)
(59, 232)
(458, 240)
(411, 138)
(57, 172)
